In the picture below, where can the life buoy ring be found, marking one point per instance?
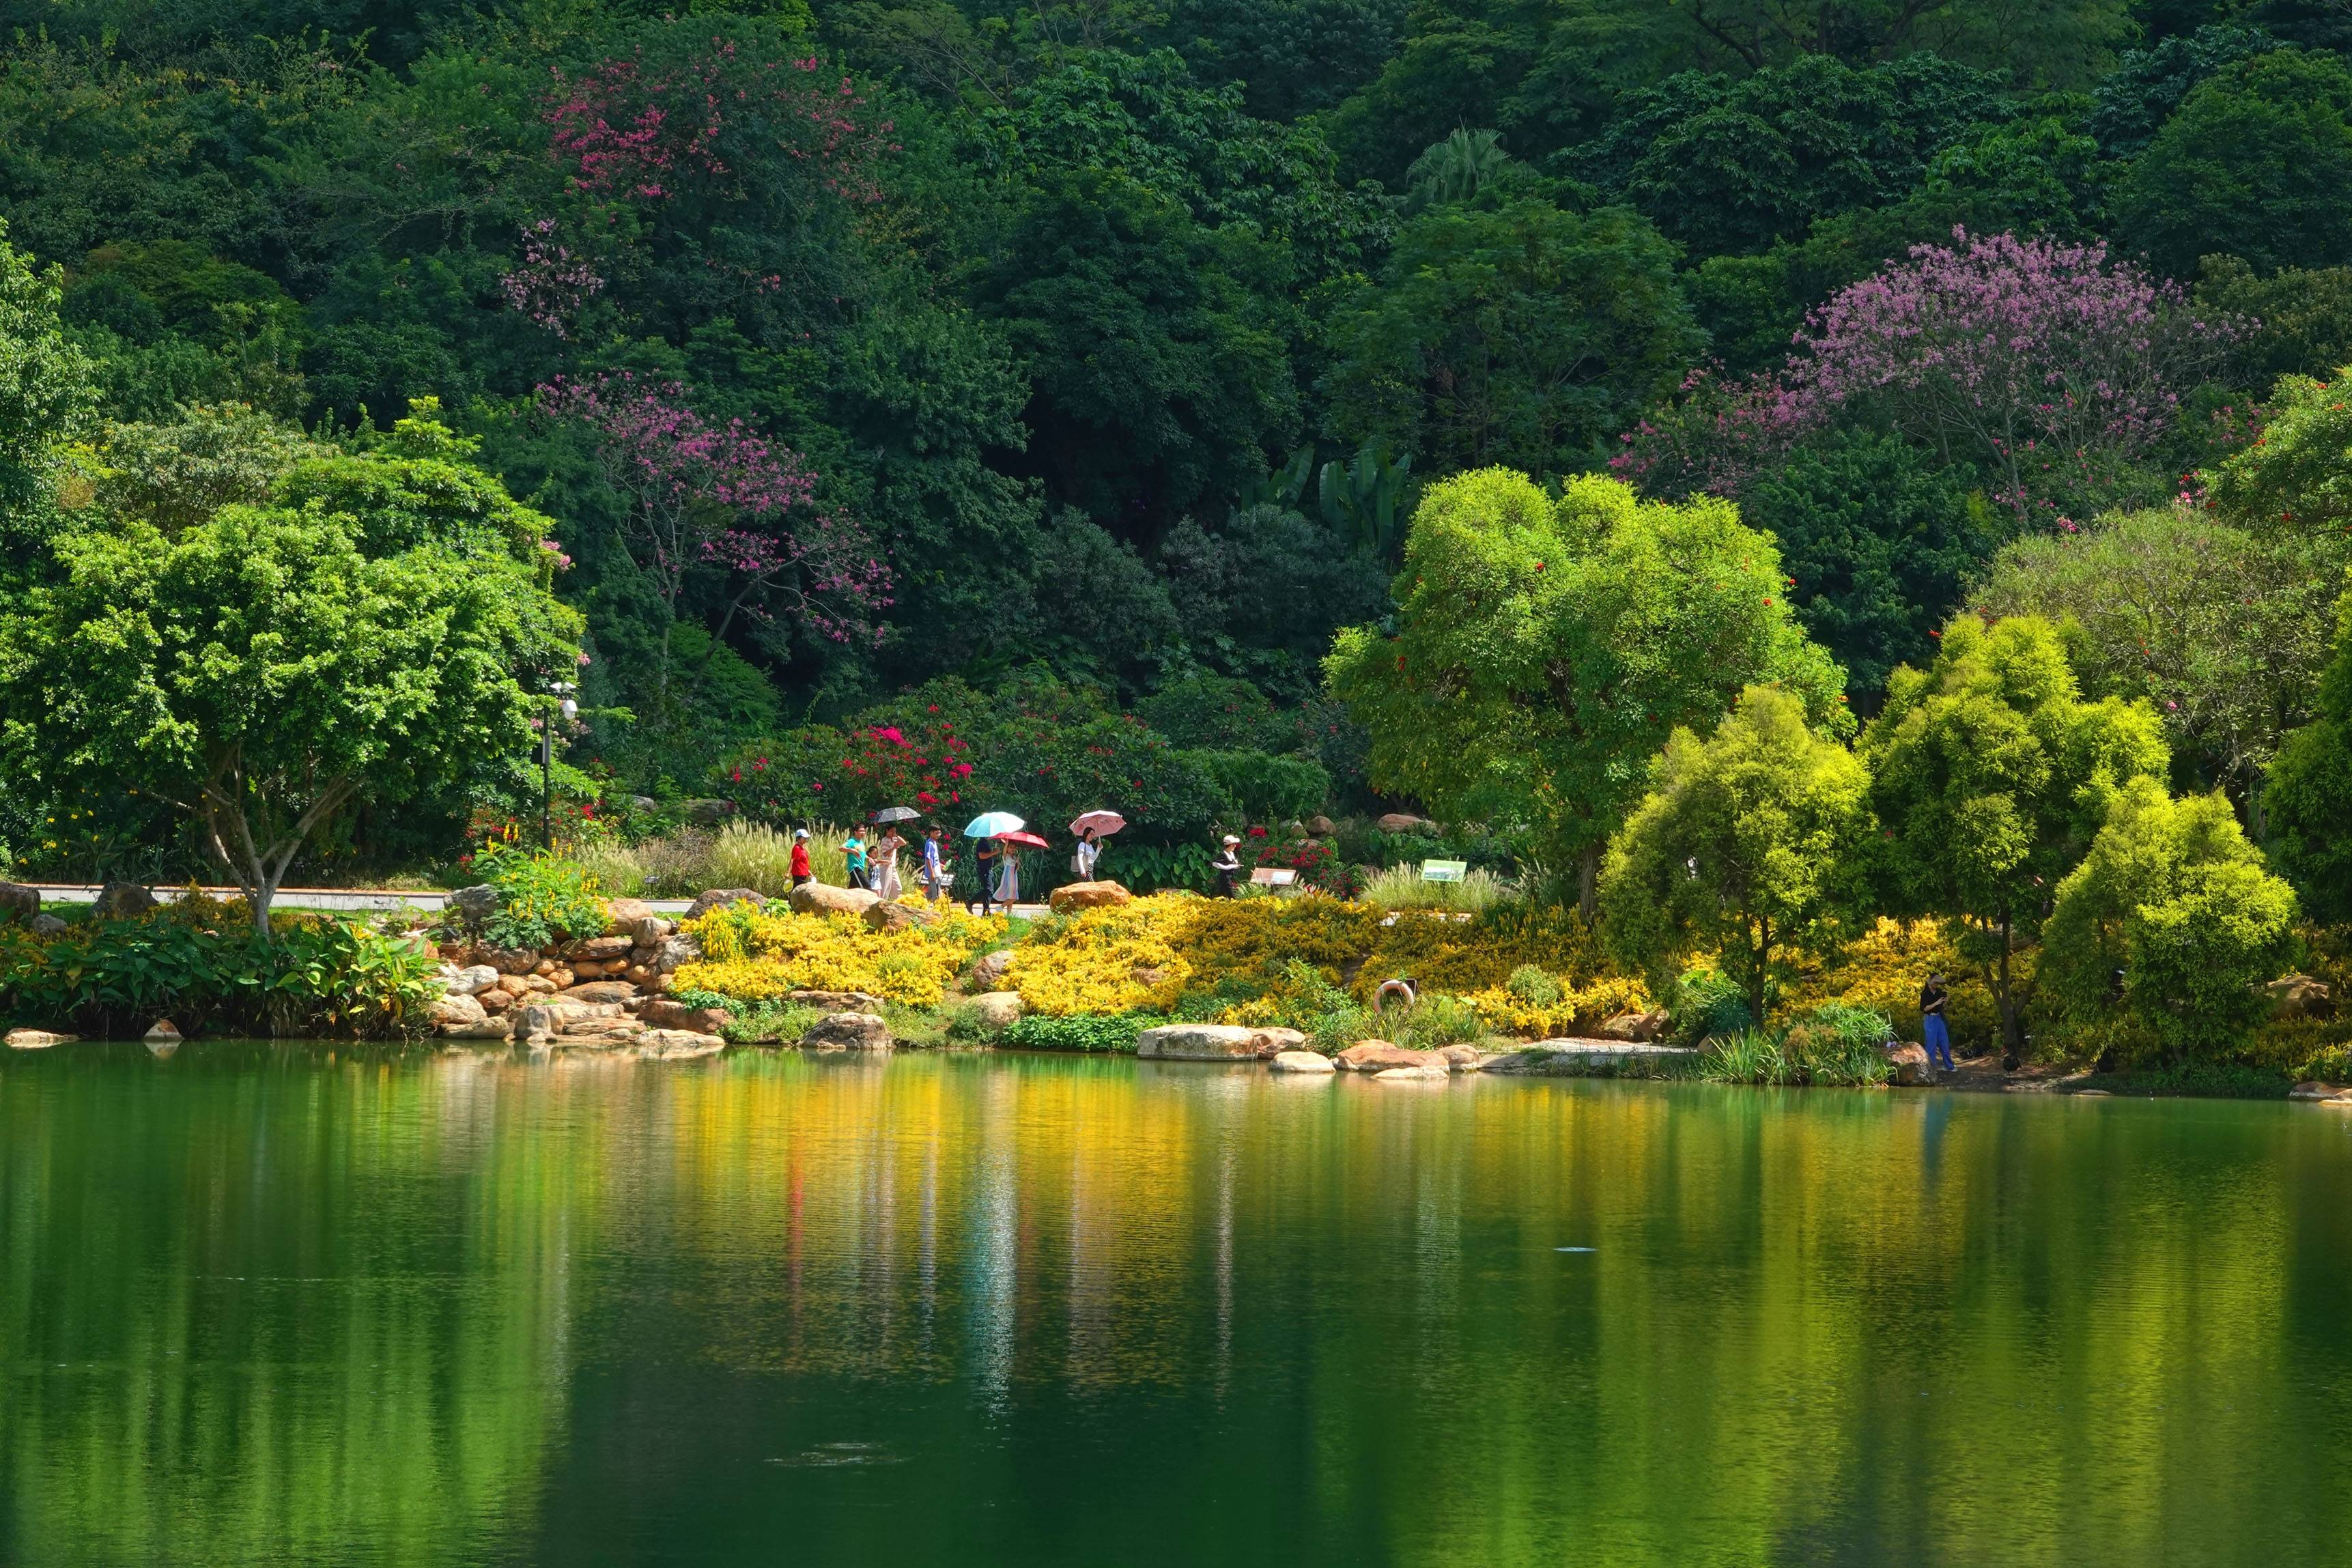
(1400, 987)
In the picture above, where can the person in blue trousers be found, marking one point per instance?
(1936, 1034)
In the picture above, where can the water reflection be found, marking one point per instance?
(260, 1305)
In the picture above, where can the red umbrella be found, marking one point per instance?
(1030, 839)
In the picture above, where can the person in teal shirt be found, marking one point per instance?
(853, 848)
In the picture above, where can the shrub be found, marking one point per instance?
(1532, 986)
(1435, 1020)
(1257, 787)
(761, 1022)
(754, 955)
(1092, 1033)
(1576, 1010)
(1708, 1003)
(1401, 887)
(541, 898)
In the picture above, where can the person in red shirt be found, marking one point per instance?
(801, 874)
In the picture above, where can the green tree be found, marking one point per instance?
(1545, 649)
(2257, 161)
(262, 673)
(2220, 631)
(44, 395)
(1879, 540)
(1990, 776)
(2175, 901)
(1516, 334)
(2309, 796)
(2298, 477)
(1746, 846)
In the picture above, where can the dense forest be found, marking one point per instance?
(875, 374)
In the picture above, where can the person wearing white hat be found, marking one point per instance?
(1227, 865)
(802, 874)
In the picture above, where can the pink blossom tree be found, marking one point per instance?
(549, 284)
(2055, 366)
(718, 503)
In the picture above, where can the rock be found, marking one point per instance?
(2300, 996)
(610, 1031)
(1273, 1042)
(1907, 1065)
(122, 901)
(1376, 1055)
(591, 969)
(37, 1039)
(676, 950)
(1321, 827)
(1301, 1062)
(532, 984)
(1635, 1026)
(674, 1044)
(708, 813)
(822, 898)
(473, 980)
(884, 915)
(475, 905)
(2312, 1090)
(651, 931)
(163, 1029)
(536, 1022)
(1411, 1075)
(47, 924)
(659, 1013)
(998, 1009)
(18, 902)
(1402, 822)
(489, 1029)
(638, 974)
(513, 960)
(711, 898)
(1198, 1042)
(1461, 1058)
(622, 915)
(1087, 896)
(544, 965)
(495, 1000)
(561, 978)
(459, 1007)
(837, 1001)
(989, 968)
(601, 991)
(847, 1031)
(1145, 975)
(600, 949)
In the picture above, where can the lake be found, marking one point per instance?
(270, 1303)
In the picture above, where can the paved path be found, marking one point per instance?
(359, 899)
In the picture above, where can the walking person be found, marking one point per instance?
(853, 850)
(1227, 865)
(986, 855)
(802, 875)
(886, 864)
(1935, 1031)
(1089, 851)
(936, 879)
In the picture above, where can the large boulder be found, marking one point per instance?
(122, 901)
(601, 991)
(822, 898)
(1321, 827)
(1461, 1058)
(513, 960)
(1378, 1055)
(536, 1023)
(661, 1013)
(883, 915)
(622, 914)
(1273, 1042)
(600, 949)
(1409, 1075)
(489, 1029)
(475, 905)
(47, 924)
(835, 1001)
(1907, 1065)
(711, 898)
(988, 969)
(2300, 996)
(1636, 1025)
(650, 932)
(847, 1031)
(19, 903)
(1404, 823)
(676, 950)
(1308, 1061)
(998, 1009)
(458, 1008)
(162, 1030)
(1198, 1042)
(37, 1039)
(1087, 896)
(472, 980)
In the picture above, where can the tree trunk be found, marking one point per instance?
(1588, 881)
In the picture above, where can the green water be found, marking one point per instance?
(273, 1305)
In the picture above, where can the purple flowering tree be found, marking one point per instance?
(2056, 367)
(717, 504)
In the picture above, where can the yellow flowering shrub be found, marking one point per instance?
(1883, 968)
(761, 955)
(1116, 959)
(1462, 957)
(1580, 1010)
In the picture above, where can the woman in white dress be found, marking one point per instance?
(886, 864)
(1008, 879)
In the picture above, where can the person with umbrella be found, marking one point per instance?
(1092, 828)
(886, 851)
(988, 856)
